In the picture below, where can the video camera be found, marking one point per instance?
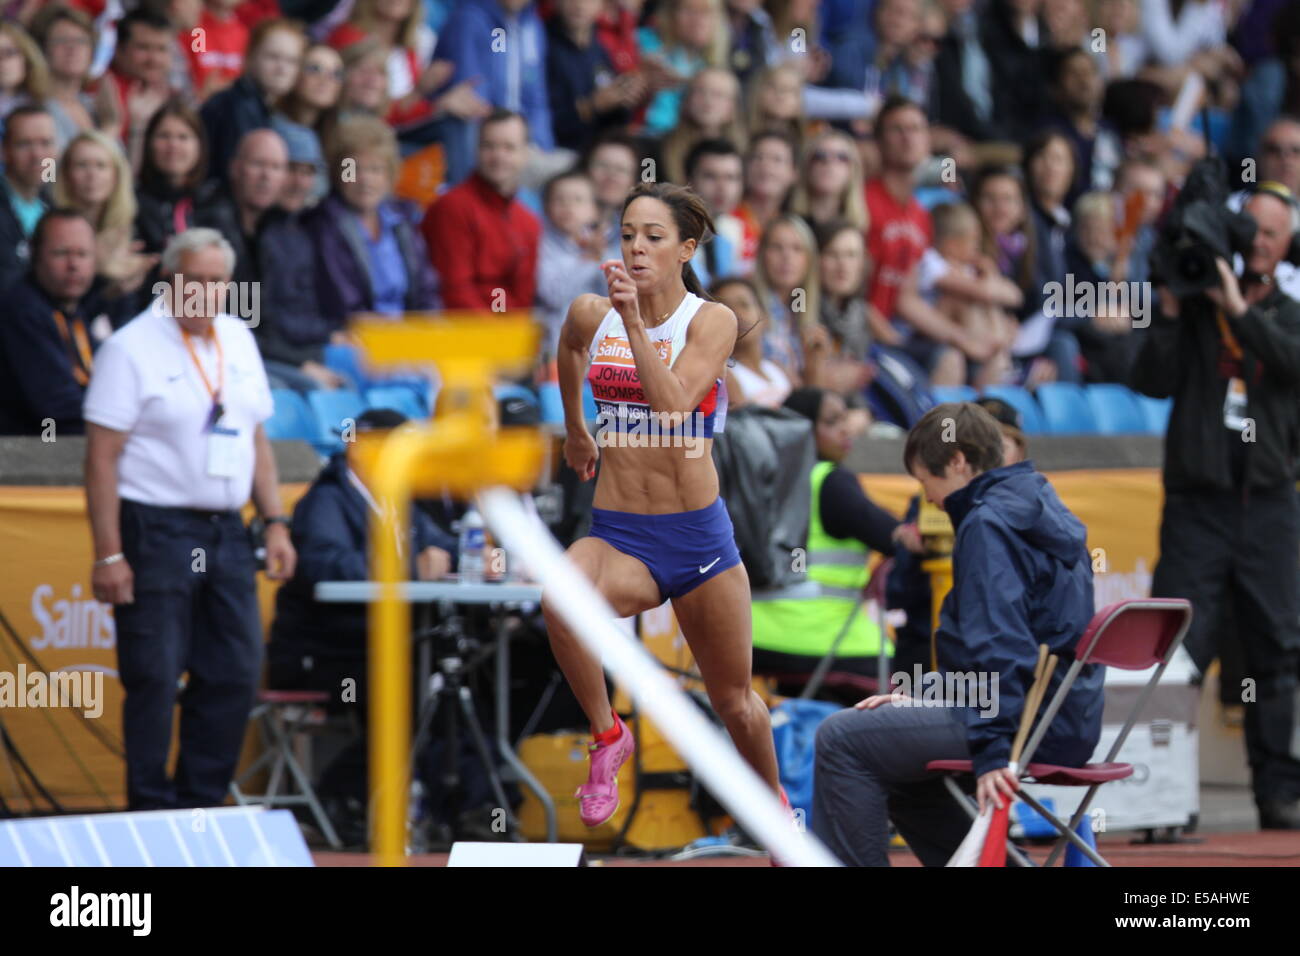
(1198, 229)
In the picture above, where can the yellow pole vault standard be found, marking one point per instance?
(460, 451)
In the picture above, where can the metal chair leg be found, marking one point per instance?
(1064, 831)
(278, 733)
(1084, 804)
(307, 792)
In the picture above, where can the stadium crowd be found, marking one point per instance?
(895, 184)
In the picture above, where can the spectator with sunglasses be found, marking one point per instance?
(830, 184)
(314, 100)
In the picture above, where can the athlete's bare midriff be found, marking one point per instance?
(657, 480)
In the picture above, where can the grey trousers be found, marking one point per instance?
(870, 768)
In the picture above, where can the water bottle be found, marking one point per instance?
(473, 540)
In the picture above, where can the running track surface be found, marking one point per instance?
(1267, 848)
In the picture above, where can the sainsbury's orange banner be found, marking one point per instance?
(45, 557)
(56, 627)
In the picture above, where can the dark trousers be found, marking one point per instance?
(195, 612)
(1218, 549)
(870, 768)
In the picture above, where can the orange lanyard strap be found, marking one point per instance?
(213, 393)
(76, 338)
(1229, 340)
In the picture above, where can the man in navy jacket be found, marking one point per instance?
(55, 318)
(317, 646)
(1022, 577)
(331, 529)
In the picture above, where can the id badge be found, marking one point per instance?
(223, 452)
(1234, 405)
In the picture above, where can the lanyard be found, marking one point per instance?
(1229, 340)
(213, 393)
(374, 506)
(181, 215)
(82, 344)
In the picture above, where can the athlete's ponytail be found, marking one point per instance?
(692, 219)
(692, 282)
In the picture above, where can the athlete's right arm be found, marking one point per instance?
(571, 366)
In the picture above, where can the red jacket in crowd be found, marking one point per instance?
(479, 242)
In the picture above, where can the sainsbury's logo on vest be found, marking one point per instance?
(71, 622)
(615, 350)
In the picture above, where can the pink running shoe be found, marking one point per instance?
(598, 797)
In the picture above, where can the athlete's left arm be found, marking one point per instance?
(709, 341)
(681, 388)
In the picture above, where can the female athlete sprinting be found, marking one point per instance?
(659, 530)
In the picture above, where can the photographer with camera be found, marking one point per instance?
(1227, 351)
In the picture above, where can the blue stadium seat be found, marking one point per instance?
(952, 393)
(1065, 409)
(1023, 402)
(1116, 410)
(399, 398)
(332, 408)
(553, 406)
(292, 418)
(346, 360)
(1155, 412)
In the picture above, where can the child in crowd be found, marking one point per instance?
(967, 287)
(687, 36)
(570, 253)
(216, 50)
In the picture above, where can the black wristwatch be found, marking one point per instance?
(278, 519)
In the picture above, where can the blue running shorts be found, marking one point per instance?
(682, 550)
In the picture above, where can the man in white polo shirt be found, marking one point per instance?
(175, 444)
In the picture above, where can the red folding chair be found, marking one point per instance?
(1131, 635)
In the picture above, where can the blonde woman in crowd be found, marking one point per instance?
(24, 77)
(830, 183)
(94, 178)
(710, 110)
(775, 103)
(789, 284)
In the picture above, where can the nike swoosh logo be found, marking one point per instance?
(710, 564)
(175, 377)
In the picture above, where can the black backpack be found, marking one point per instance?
(764, 459)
